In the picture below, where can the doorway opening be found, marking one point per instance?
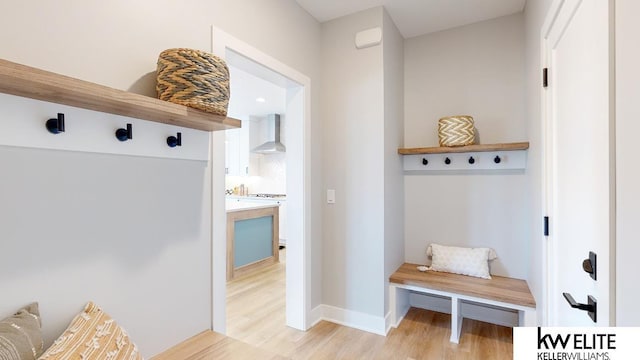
(292, 110)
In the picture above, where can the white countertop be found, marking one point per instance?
(254, 198)
(235, 205)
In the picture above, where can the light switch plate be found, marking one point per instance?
(331, 196)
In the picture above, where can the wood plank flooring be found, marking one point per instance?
(210, 345)
(256, 316)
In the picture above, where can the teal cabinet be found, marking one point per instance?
(252, 240)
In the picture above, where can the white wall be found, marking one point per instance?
(135, 273)
(393, 67)
(627, 172)
(535, 12)
(113, 229)
(353, 120)
(477, 70)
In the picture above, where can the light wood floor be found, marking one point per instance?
(256, 316)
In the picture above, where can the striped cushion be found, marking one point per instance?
(20, 335)
(93, 335)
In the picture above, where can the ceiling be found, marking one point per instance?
(418, 17)
(246, 88)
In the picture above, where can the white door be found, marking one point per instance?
(578, 166)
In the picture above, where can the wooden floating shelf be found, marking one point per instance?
(464, 149)
(25, 81)
(510, 156)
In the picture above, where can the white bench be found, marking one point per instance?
(499, 291)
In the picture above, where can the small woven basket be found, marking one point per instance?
(195, 79)
(456, 130)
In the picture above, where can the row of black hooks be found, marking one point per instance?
(56, 126)
(471, 160)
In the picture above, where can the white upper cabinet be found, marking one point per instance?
(239, 161)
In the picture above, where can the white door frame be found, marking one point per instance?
(558, 13)
(298, 273)
(547, 158)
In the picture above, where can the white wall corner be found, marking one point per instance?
(387, 323)
(388, 319)
(316, 315)
(399, 303)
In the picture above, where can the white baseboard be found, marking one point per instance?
(486, 313)
(350, 318)
(381, 325)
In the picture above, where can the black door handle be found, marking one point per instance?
(591, 307)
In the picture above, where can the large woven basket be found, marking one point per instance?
(195, 79)
(456, 130)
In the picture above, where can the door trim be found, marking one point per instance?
(298, 269)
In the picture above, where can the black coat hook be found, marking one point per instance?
(124, 134)
(472, 160)
(56, 126)
(425, 161)
(497, 159)
(447, 161)
(174, 141)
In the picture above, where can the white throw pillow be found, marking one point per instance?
(492, 253)
(460, 260)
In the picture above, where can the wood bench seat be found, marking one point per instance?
(211, 345)
(499, 291)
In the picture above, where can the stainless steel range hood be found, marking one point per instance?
(273, 144)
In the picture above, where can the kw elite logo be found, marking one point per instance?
(575, 346)
(576, 343)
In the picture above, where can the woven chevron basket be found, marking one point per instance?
(195, 79)
(456, 130)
